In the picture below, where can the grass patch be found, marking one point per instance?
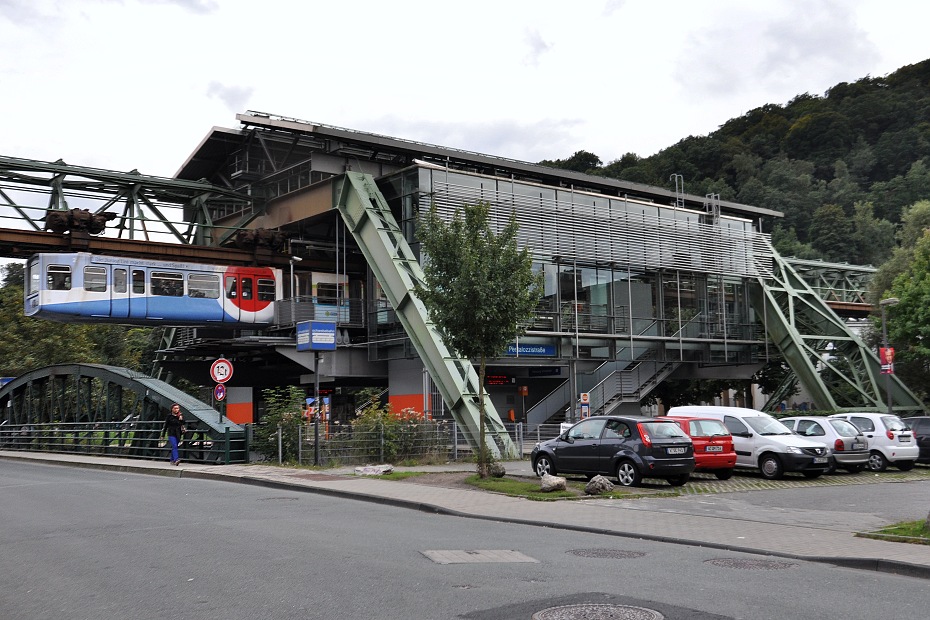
(914, 532)
(399, 475)
(520, 487)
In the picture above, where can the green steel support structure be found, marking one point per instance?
(368, 217)
(837, 368)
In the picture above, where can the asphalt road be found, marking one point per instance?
(79, 543)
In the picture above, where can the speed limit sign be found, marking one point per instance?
(221, 370)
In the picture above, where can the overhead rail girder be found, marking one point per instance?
(368, 217)
(838, 370)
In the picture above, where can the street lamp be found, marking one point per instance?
(294, 259)
(884, 304)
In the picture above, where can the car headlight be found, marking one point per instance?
(794, 450)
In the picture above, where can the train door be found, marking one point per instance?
(233, 299)
(119, 293)
(138, 302)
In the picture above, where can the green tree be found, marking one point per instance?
(909, 321)
(831, 232)
(479, 287)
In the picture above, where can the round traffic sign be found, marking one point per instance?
(219, 392)
(221, 370)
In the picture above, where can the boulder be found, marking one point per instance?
(598, 485)
(552, 483)
(374, 470)
(496, 469)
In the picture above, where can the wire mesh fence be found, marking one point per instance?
(334, 445)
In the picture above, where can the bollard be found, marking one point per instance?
(280, 447)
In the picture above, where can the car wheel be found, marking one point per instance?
(544, 466)
(831, 469)
(877, 461)
(677, 481)
(905, 465)
(815, 474)
(627, 474)
(771, 467)
(724, 474)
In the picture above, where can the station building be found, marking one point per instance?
(642, 284)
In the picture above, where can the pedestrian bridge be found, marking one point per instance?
(108, 410)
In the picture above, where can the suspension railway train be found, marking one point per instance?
(87, 288)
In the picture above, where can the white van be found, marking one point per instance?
(763, 442)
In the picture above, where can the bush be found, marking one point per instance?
(379, 434)
(284, 408)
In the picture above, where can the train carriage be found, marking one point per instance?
(88, 288)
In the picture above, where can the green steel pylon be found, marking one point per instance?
(833, 364)
(368, 217)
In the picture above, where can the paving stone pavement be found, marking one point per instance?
(709, 512)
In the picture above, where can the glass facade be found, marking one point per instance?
(622, 279)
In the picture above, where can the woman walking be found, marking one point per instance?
(174, 426)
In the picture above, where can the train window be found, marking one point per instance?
(119, 280)
(327, 293)
(199, 285)
(265, 289)
(167, 283)
(231, 287)
(95, 279)
(59, 278)
(246, 288)
(138, 282)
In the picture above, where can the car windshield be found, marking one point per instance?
(767, 426)
(894, 423)
(844, 428)
(661, 430)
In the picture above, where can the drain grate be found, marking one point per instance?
(456, 556)
(597, 612)
(612, 554)
(750, 564)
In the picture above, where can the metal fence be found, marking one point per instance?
(131, 439)
(441, 441)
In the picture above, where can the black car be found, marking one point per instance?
(921, 427)
(628, 447)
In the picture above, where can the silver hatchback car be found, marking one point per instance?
(847, 446)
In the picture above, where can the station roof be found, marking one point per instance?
(220, 143)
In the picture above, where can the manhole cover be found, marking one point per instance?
(597, 612)
(750, 564)
(615, 554)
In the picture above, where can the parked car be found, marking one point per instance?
(629, 448)
(713, 445)
(763, 442)
(921, 427)
(847, 445)
(890, 440)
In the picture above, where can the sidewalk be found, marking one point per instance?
(611, 517)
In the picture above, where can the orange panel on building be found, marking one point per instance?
(399, 402)
(240, 413)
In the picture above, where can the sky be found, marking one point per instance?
(137, 84)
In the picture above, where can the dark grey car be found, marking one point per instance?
(629, 448)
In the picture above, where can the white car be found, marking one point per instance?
(848, 447)
(762, 442)
(890, 440)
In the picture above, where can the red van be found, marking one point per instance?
(713, 445)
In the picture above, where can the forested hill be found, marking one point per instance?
(842, 166)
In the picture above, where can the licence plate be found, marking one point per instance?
(677, 450)
(713, 449)
(820, 459)
(858, 446)
(904, 439)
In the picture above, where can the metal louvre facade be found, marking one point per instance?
(587, 228)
